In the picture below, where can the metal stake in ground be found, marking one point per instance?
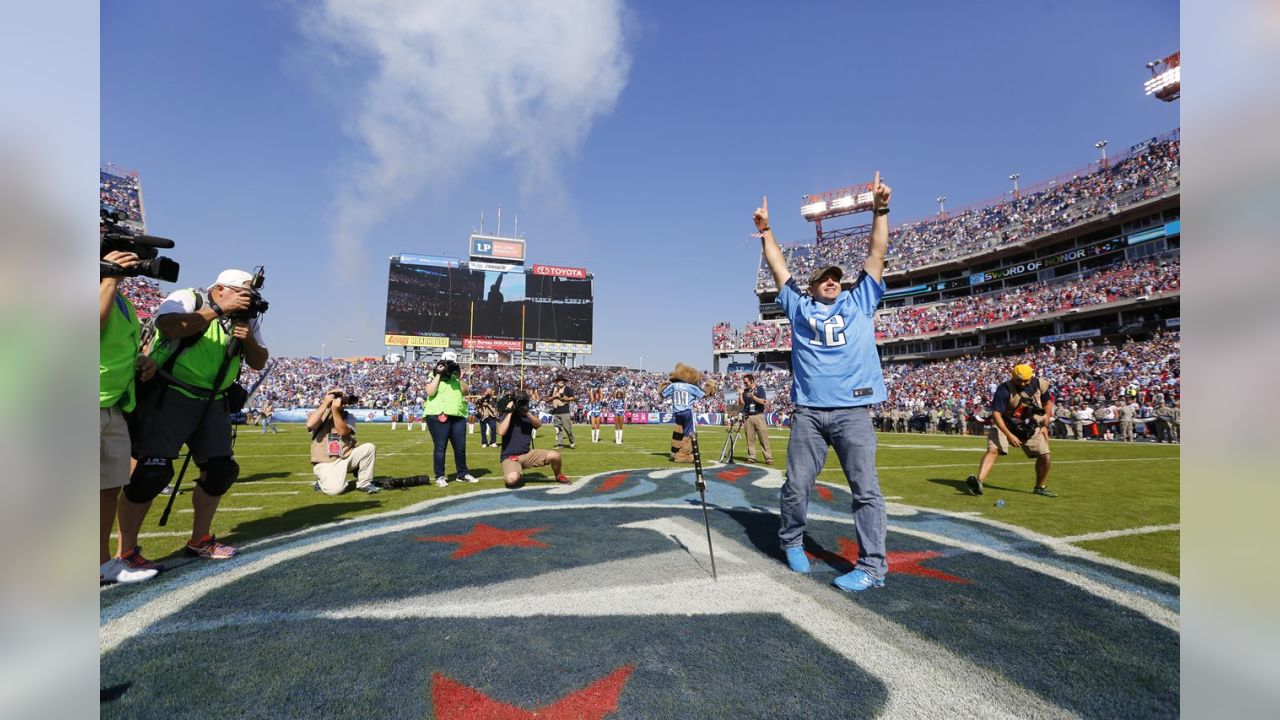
(702, 490)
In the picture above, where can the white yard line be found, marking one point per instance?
(1107, 534)
(225, 509)
(279, 492)
(1016, 462)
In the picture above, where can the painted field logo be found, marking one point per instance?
(595, 600)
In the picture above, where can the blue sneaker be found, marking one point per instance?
(857, 581)
(797, 559)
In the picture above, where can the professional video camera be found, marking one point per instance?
(1026, 421)
(257, 305)
(116, 237)
(517, 403)
(447, 369)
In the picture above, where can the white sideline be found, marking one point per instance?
(1108, 534)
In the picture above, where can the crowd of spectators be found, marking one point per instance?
(1148, 277)
(1127, 280)
(1082, 371)
(1148, 172)
(123, 193)
(144, 293)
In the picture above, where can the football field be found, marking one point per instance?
(601, 598)
(1119, 501)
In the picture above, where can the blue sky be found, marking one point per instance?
(634, 140)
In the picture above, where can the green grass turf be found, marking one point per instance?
(1157, 550)
(1101, 486)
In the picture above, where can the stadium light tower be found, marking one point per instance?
(1102, 145)
(1166, 78)
(1014, 177)
(942, 205)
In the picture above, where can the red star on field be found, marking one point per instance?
(733, 475)
(824, 493)
(905, 563)
(482, 537)
(451, 700)
(611, 483)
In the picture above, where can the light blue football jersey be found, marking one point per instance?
(834, 362)
(682, 395)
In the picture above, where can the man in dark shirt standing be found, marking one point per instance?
(517, 443)
(753, 404)
(561, 396)
(1020, 416)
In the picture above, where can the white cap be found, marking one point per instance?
(449, 356)
(233, 278)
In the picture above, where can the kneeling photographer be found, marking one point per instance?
(1020, 414)
(516, 428)
(446, 414)
(202, 337)
(334, 452)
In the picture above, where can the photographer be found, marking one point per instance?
(488, 413)
(516, 428)
(334, 452)
(561, 396)
(196, 330)
(446, 412)
(753, 406)
(119, 333)
(1021, 413)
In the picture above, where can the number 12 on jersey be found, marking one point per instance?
(832, 332)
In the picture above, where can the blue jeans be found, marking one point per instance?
(684, 418)
(488, 431)
(453, 430)
(850, 433)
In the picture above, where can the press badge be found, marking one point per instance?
(861, 392)
(335, 445)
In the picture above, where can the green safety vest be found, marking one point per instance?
(197, 366)
(117, 353)
(448, 400)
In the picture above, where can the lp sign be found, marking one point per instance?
(485, 247)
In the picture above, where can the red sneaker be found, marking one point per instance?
(209, 547)
(135, 561)
(562, 480)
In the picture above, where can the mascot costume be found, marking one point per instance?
(682, 390)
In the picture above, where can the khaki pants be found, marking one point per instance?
(1126, 430)
(333, 475)
(756, 427)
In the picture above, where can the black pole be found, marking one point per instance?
(233, 349)
(702, 490)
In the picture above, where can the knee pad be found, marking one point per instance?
(151, 476)
(219, 474)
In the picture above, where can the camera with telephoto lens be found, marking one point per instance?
(348, 400)
(257, 305)
(516, 403)
(113, 237)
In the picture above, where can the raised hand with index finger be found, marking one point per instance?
(880, 193)
(761, 215)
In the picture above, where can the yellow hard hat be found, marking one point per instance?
(1023, 372)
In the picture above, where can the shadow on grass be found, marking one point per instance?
(112, 693)
(261, 476)
(320, 513)
(959, 485)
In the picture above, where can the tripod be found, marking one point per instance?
(730, 440)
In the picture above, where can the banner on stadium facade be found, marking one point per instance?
(556, 271)
(1093, 250)
(497, 248)
(1173, 322)
(1071, 336)
(433, 260)
(494, 267)
(490, 344)
(417, 341)
(559, 347)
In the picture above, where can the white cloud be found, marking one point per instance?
(454, 83)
